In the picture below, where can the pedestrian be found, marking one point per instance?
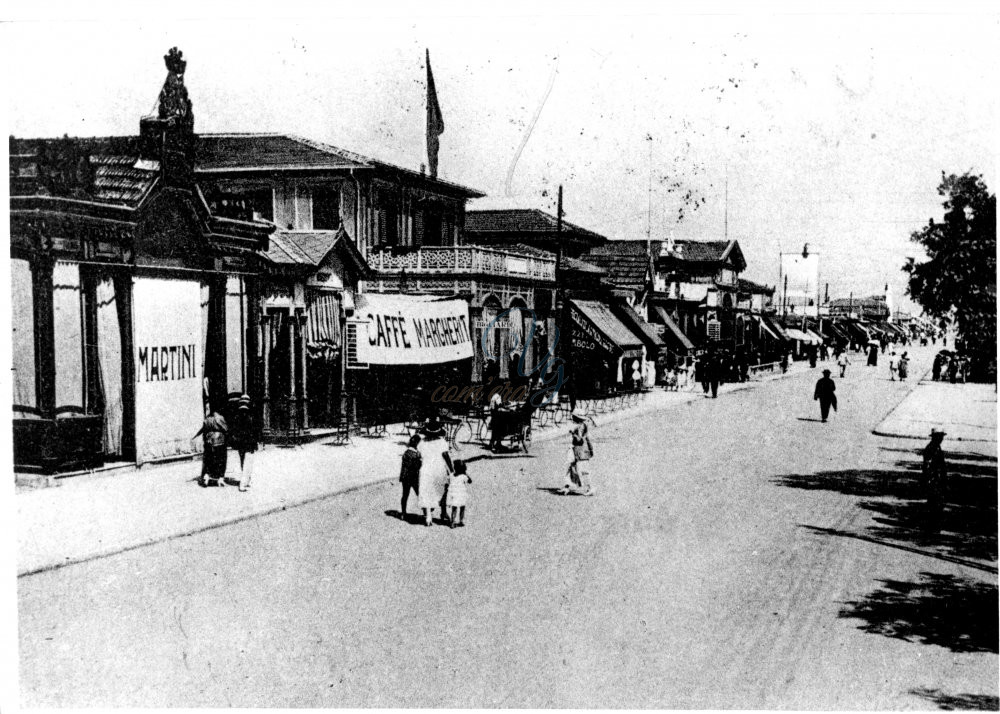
(458, 494)
(497, 421)
(904, 366)
(578, 457)
(953, 369)
(213, 464)
(812, 356)
(409, 472)
(873, 354)
(933, 472)
(842, 362)
(715, 374)
(436, 467)
(893, 365)
(784, 362)
(826, 394)
(671, 380)
(243, 438)
(936, 368)
(701, 371)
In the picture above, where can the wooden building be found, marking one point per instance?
(131, 298)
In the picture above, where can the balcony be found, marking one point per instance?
(462, 260)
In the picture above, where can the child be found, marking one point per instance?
(409, 472)
(458, 493)
(672, 380)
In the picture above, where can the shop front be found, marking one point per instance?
(408, 355)
(604, 353)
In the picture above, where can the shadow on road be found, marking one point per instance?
(964, 702)
(964, 528)
(938, 609)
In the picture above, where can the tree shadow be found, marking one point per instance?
(964, 702)
(939, 609)
(964, 526)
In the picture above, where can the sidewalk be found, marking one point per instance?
(85, 517)
(966, 412)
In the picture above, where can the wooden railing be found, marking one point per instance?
(462, 259)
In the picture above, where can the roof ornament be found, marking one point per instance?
(174, 102)
(805, 251)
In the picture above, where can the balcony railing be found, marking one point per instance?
(463, 260)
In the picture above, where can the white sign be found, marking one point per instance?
(410, 329)
(168, 366)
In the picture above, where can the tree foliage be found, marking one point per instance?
(959, 278)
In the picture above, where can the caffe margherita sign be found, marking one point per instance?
(410, 329)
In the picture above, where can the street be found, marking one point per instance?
(738, 554)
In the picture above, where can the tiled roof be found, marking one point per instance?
(625, 261)
(523, 220)
(701, 251)
(872, 301)
(118, 175)
(221, 152)
(580, 266)
(309, 248)
(285, 152)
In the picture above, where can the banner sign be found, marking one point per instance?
(412, 329)
(168, 366)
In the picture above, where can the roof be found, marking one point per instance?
(871, 301)
(523, 221)
(310, 248)
(601, 316)
(626, 262)
(262, 152)
(580, 266)
(749, 286)
(101, 169)
(710, 251)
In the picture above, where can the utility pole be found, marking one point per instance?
(784, 301)
(559, 349)
(726, 225)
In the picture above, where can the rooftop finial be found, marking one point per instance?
(175, 61)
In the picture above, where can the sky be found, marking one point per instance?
(773, 128)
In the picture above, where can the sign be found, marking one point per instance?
(714, 330)
(168, 366)
(410, 329)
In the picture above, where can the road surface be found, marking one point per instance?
(738, 553)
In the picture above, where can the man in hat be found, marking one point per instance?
(826, 394)
(933, 470)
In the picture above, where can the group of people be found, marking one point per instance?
(950, 366)
(219, 435)
(435, 476)
(899, 365)
(431, 471)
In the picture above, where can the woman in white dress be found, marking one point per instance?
(436, 468)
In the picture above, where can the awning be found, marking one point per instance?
(801, 336)
(816, 338)
(639, 327)
(600, 326)
(767, 328)
(673, 329)
(775, 327)
(412, 329)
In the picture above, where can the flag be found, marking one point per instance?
(435, 122)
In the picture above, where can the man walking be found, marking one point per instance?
(842, 362)
(826, 394)
(893, 365)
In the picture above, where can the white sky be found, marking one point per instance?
(833, 128)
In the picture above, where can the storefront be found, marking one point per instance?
(407, 355)
(604, 353)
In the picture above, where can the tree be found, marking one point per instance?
(959, 278)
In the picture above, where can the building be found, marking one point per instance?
(132, 299)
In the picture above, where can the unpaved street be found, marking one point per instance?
(738, 554)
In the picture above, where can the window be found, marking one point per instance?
(326, 208)
(243, 205)
(388, 227)
(432, 228)
(23, 337)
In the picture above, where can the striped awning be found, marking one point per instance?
(674, 329)
(766, 327)
(323, 325)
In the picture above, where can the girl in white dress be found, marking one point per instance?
(458, 494)
(435, 470)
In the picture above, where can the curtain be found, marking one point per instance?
(236, 307)
(109, 362)
(23, 336)
(206, 294)
(68, 330)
